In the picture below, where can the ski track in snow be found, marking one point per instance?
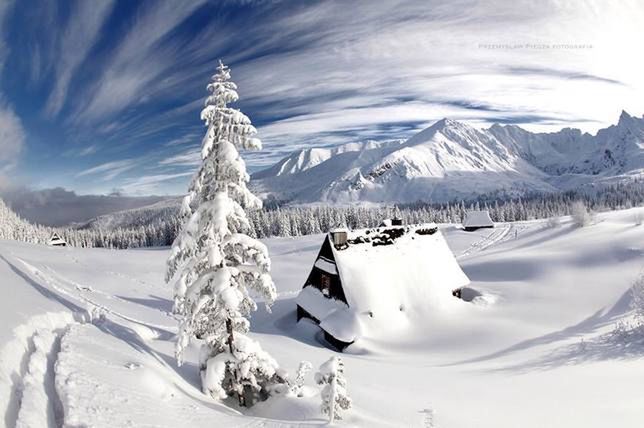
(500, 234)
(31, 399)
(40, 404)
(57, 282)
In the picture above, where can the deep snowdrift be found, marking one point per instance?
(87, 338)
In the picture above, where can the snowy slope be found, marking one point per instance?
(159, 211)
(453, 160)
(304, 159)
(534, 351)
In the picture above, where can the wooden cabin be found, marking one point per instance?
(369, 282)
(57, 241)
(475, 220)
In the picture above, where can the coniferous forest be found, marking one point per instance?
(285, 220)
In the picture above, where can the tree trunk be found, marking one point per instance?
(229, 329)
(333, 398)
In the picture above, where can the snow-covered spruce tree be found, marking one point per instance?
(215, 266)
(334, 391)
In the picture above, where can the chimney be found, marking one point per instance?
(339, 237)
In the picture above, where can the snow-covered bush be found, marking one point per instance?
(580, 214)
(429, 421)
(295, 386)
(637, 302)
(288, 386)
(214, 266)
(553, 222)
(626, 331)
(247, 370)
(334, 392)
(639, 218)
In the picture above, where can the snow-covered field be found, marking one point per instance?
(87, 339)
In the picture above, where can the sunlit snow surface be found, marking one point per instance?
(87, 338)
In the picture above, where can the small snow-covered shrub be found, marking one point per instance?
(639, 218)
(289, 386)
(622, 332)
(248, 372)
(334, 392)
(628, 331)
(295, 386)
(429, 421)
(637, 302)
(553, 222)
(580, 214)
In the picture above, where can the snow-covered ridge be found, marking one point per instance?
(159, 211)
(304, 159)
(451, 160)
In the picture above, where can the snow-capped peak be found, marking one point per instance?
(451, 159)
(624, 118)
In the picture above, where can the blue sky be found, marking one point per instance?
(105, 94)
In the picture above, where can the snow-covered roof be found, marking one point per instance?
(56, 240)
(390, 275)
(477, 219)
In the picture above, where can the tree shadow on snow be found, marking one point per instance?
(154, 302)
(188, 372)
(42, 289)
(282, 321)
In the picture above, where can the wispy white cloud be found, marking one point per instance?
(191, 157)
(110, 170)
(317, 73)
(135, 63)
(88, 150)
(413, 62)
(189, 138)
(12, 138)
(77, 40)
(4, 7)
(152, 184)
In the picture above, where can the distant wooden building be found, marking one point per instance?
(373, 280)
(475, 220)
(57, 241)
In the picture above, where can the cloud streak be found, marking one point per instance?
(109, 170)
(77, 40)
(313, 73)
(12, 139)
(135, 64)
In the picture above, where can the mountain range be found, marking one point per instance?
(452, 160)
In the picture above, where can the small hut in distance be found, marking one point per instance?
(475, 220)
(57, 241)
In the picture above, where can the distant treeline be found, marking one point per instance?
(298, 221)
(157, 233)
(306, 220)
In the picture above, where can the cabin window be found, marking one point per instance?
(325, 285)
